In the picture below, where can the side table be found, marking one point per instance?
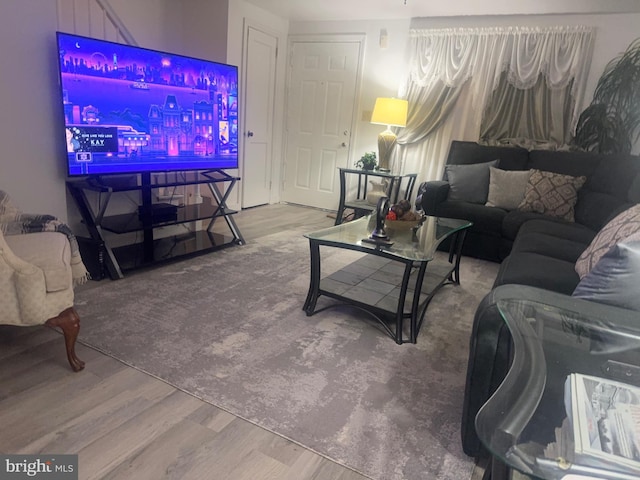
(528, 413)
(359, 203)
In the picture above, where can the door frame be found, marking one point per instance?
(359, 38)
(278, 109)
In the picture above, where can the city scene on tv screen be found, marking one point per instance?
(129, 109)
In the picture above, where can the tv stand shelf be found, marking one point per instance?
(132, 222)
(146, 219)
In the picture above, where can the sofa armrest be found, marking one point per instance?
(430, 195)
(24, 285)
(490, 345)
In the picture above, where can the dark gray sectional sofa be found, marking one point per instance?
(608, 191)
(537, 252)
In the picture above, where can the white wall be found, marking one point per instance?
(31, 166)
(155, 24)
(204, 29)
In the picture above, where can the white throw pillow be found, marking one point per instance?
(507, 187)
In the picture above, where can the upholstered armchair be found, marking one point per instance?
(39, 266)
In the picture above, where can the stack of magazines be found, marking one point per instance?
(602, 428)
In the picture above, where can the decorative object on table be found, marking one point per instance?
(379, 235)
(391, 112)
(368, 161)
(402, 211)
(378, 189)
(401, 217)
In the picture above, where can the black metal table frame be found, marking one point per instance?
(418, 311)
(94, 220)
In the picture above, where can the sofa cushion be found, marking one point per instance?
(552, 194)
(548, 245)
(465, 153)
(573, 163)
(49, 251)
(538, 270)
(633, 195)
(485, 219)
(515, 219)
(615, 278)
(469, 183)
(614, 175)
(622, 226)
(506, 188)
(595, 209)
(556, 228)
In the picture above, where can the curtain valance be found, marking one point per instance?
(453, 55)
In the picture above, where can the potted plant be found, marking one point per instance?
(611, 124)
(368, 161)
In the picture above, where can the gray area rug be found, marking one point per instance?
(228, 327)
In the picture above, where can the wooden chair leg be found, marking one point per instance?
(69, 322)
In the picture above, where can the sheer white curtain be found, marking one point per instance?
(454, 71)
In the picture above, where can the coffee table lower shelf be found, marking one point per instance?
(375, 285)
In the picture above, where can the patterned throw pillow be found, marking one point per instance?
(551, 194)
(620, 228)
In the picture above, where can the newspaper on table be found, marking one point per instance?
(603, 424)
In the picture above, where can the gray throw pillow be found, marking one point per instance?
(615, 278)
(507, 187)
(469, 183)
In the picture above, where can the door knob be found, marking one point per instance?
(249, 133)
(343, 144)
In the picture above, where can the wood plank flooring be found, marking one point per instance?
(125, 424)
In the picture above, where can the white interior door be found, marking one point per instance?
(323, 81)
(260, 72)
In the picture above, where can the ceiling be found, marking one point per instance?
(319, 10)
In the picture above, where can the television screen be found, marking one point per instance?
(129, 109)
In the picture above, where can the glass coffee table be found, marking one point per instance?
(569, 408)
(391, 282)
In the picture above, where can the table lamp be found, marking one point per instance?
(391, 112)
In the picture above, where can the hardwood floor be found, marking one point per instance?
(124, 424)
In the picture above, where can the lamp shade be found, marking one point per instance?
(390, 111)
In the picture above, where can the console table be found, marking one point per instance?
(359, 203)
(392, 282)
(147, 218)
(529, 410)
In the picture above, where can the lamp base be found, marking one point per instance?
(386, 141)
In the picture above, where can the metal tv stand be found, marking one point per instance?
(147, 218)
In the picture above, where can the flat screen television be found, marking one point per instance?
(131, 110)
